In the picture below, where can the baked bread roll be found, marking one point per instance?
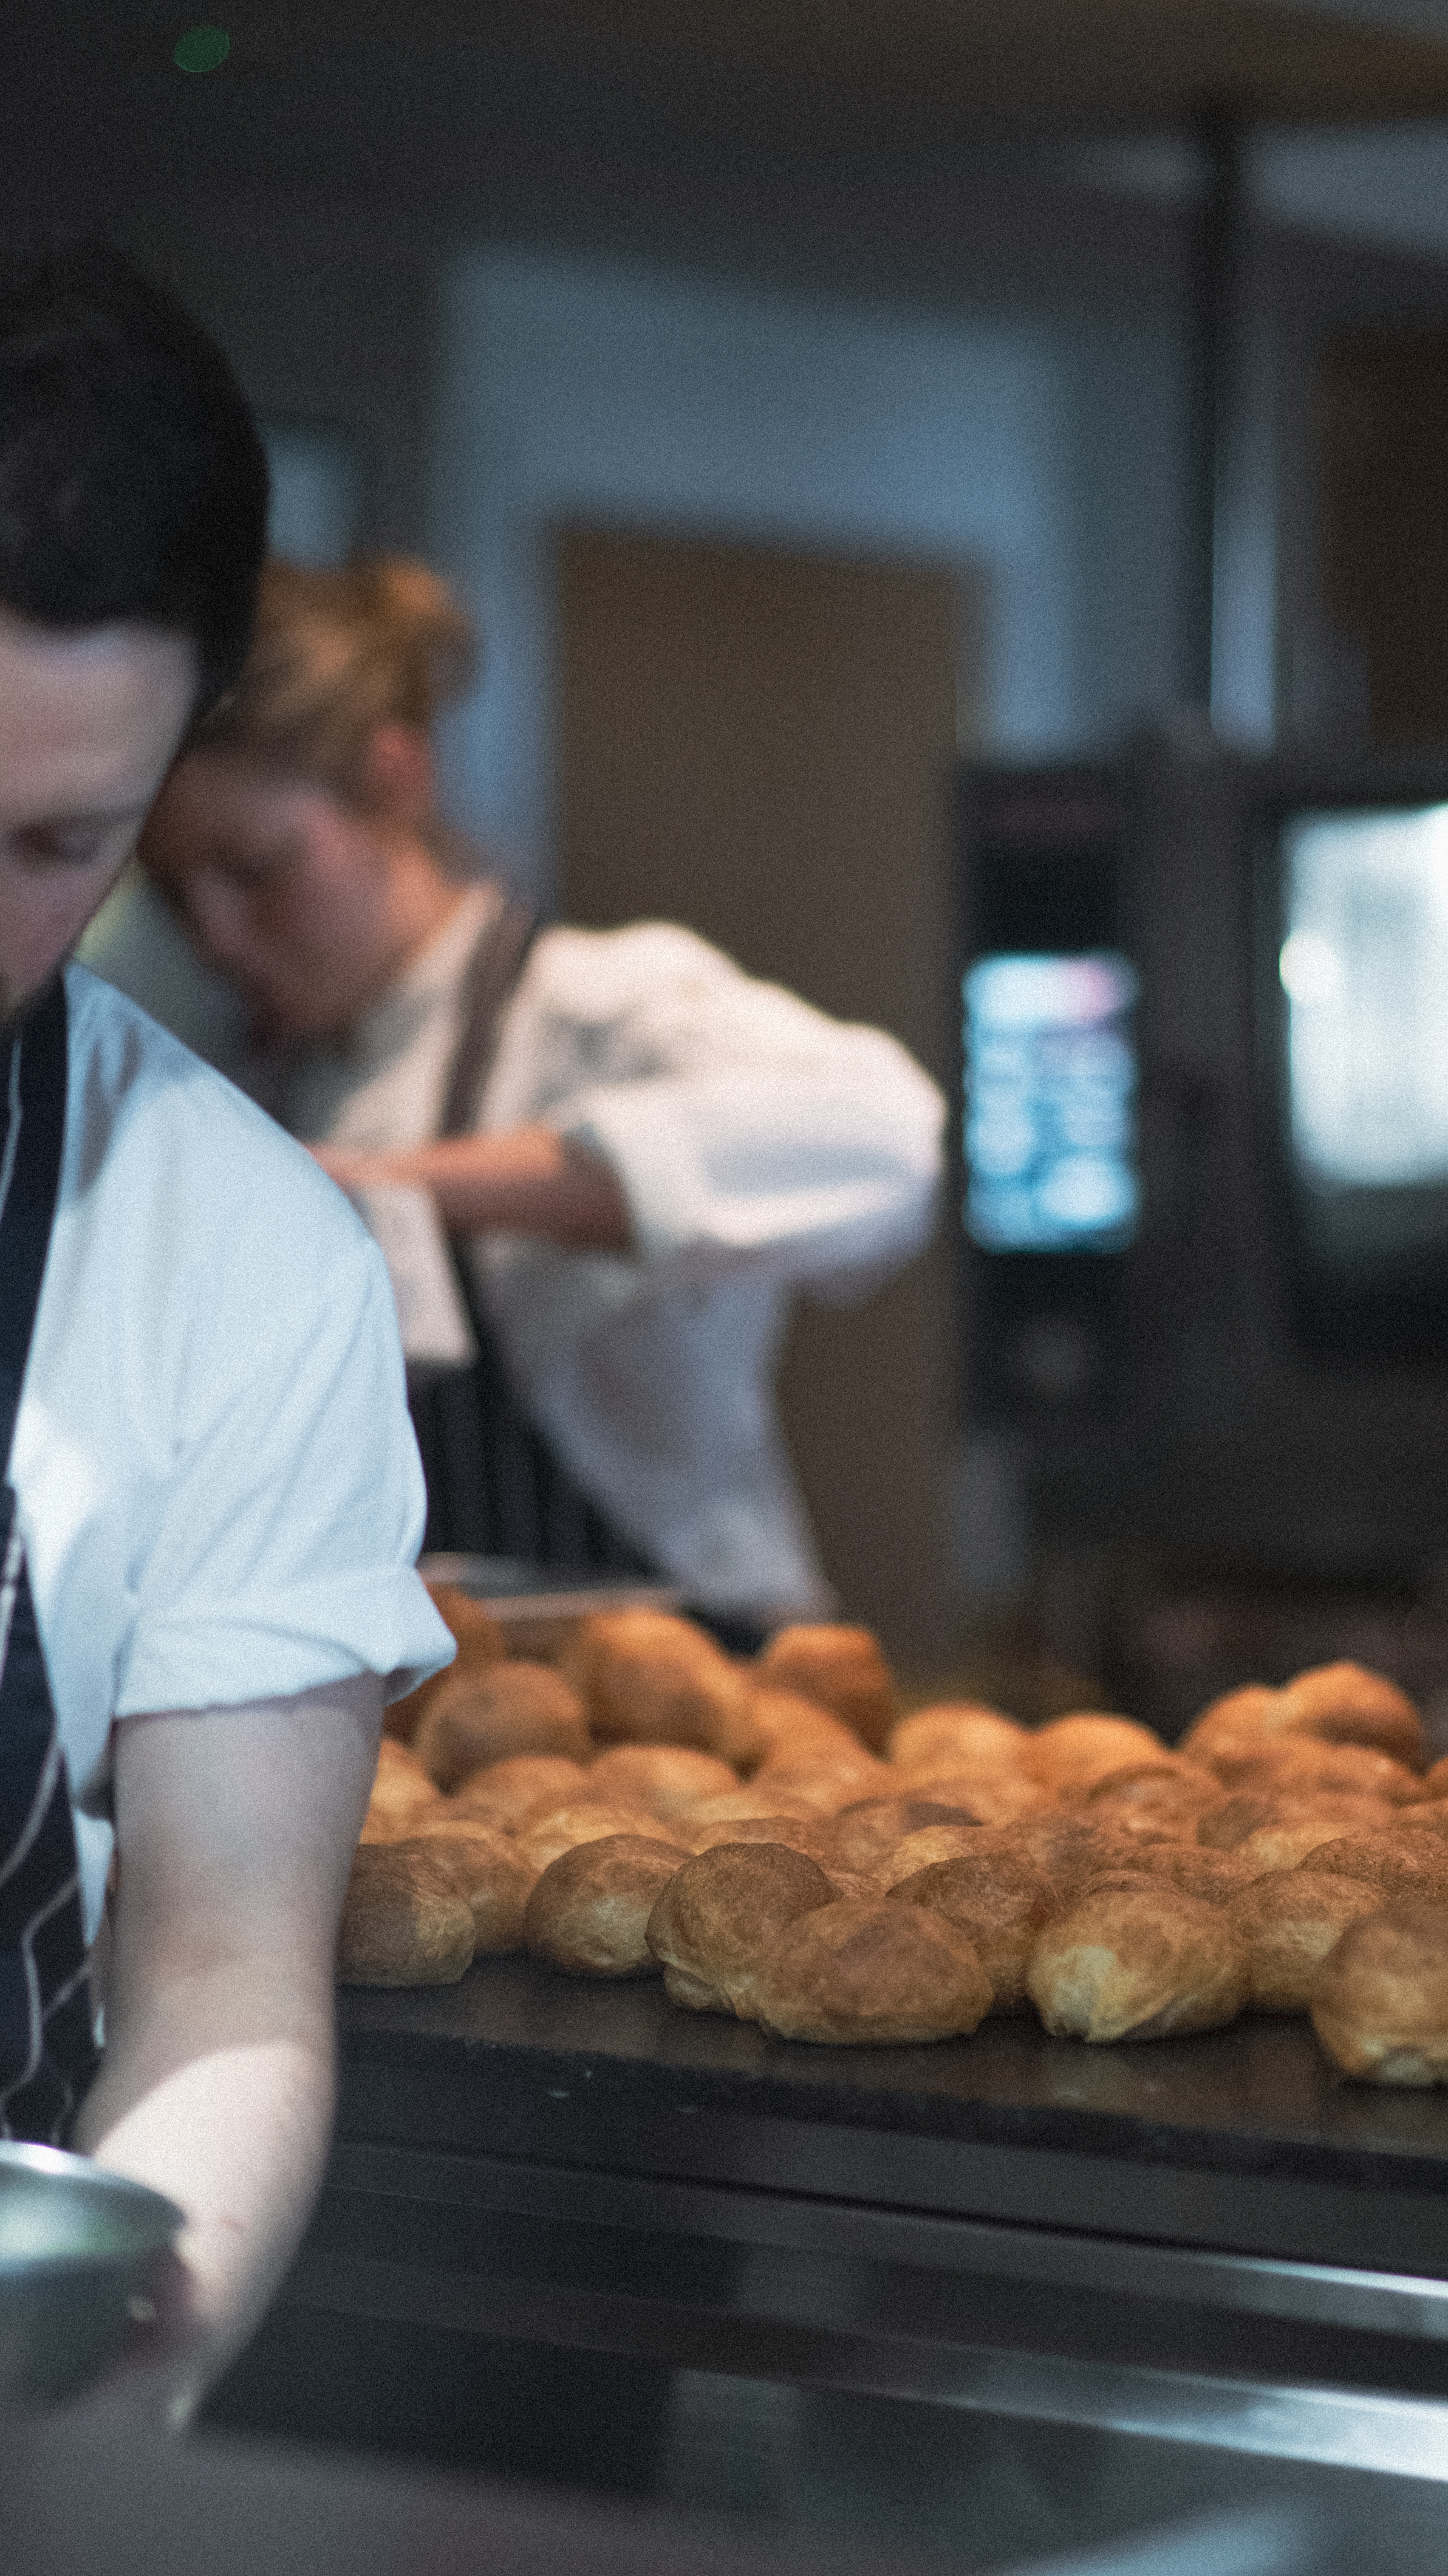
(814, 1835)
(1072, 1753)
(1345, 1704)
(721, 1911)
(958, 1735)
(842, 1668)
(824, 1786)
(927, 1848)
(403, 1921)
(1301, 1768)
(589, 1912)
(489, 1873)
(1287, 1845)
(997, 1792)
(743, 1806)
(480, 1641)
(510, 1793)
(668, 1779)
(484, 1717)
(545, 1837)
(402, 1795)
(1223, 1827)
(1070, 1848)
(1435, 1779)
(1165, 1790)
(867, 1833)
(649, 1678)
(1287, 1923)
(1214, 1876)
(1430, 1816)
(998, 1902)
(1402, 1865)
(1134, 1961)
(1333, 1704)
(879, 1974)
(1380, 2001)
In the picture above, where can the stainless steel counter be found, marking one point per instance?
(1204, 2249)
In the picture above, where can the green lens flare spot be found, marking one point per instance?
(202, 49)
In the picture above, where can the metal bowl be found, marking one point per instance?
(77, 2247)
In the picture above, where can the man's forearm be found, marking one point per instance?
(529, 1181)
(237, 2136)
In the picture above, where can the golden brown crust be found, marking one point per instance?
(1134, 1961)
(589, 1912)
(649, 1678)
(402, 1795)
(484, 1717)
(998, 1902)
(1288, 1922)
(668, 1779)
(1299, 1767)
(403, 1920)
(723, 1909)
(1380, 2001)
(1287, 1845)
(927, 1848)
(489, 1872)
(1166, 1787)
(873, 1974)
(1333, 1704)
(1402, 1865)
(480, 1641)
(998, 1793)
(869, 1832)
(825, 1787)
(842, 1669)
(1223, 1827)
(1344, 1703)
(743, 1806)
(1071, 1753)
(545, 1837)
(508, 1793)
(1214, 1876)
(813, 1835)
(958, 1735)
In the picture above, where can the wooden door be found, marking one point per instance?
(757, 743)
(1384, 526)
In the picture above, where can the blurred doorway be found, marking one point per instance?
(757, 742)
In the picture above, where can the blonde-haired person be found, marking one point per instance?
(634, 1151)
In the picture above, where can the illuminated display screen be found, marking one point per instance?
(1364, 967)
(1050, 1130)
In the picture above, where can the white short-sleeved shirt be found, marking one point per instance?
(218, 1484)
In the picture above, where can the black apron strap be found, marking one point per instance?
(494, 1485)
(47, 2044)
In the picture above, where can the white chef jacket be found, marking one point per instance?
(217, 1481)
(760, 1147)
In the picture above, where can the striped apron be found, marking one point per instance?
(47, 2043)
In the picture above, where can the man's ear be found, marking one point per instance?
(399, 777)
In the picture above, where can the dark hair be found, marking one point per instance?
(133, 485)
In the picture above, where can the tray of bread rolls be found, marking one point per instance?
(770, 1842)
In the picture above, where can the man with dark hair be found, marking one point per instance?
(211, 1500)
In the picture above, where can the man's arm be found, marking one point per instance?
(235, 1830)
(527, 1181)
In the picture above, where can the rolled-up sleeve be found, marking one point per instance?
(745, 1128)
